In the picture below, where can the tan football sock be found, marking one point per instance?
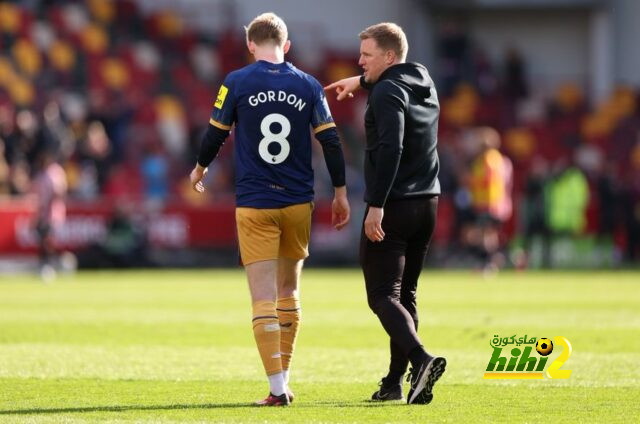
(289, 316)
(266, 331)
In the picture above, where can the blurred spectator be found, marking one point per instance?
(608, 198)
(171, 125)
(20, 177)
(631, 206)
(453, 52)
(516, 89)
(483, 73)
(95, 154)
(124, 246)
(567, 194)
(490, 183)
(632, 221)
(84, 184)
(56, 133)
(515, 78)
(50, 187)
(155, 174)
(534, 211)
(4, 171)
(7, 131)
(28, 141)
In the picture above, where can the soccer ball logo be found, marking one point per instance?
(544, 346)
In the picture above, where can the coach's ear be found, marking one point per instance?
(286, 47)
(251, 46)
(389, 57)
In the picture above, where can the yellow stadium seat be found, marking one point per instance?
(94, 39)
(115, 73)
(27, 57)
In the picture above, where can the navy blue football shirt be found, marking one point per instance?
(272, 106)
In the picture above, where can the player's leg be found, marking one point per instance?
(258, 236)
(266, 328)
(289, 313)
(294, 248)
(46, 251)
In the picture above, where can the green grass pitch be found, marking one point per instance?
(175, 346)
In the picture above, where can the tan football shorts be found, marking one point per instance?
(265, 234)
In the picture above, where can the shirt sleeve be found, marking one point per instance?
(388, 103)
(211, 143)
(321, 118)
(325, 131)
(222, 118)
(224, 108)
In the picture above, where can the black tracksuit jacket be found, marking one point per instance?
(401, 124)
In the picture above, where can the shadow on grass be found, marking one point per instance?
(124, 408)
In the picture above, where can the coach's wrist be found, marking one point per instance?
(340, 191)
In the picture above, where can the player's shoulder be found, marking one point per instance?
(307, 78)
(240, 74)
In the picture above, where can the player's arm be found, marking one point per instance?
(325, 131)
(334, 158)
(212, 141)
(222, 118)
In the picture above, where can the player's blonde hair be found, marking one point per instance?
(267, 27)
(388, 36)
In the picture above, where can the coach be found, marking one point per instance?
(402, 188)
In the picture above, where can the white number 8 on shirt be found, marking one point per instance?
(269, 137)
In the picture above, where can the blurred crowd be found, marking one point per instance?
(576, 161)
(121, 99)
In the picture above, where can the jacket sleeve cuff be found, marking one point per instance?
(376, 203)
(364, 84)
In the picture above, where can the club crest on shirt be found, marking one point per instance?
(222, 94)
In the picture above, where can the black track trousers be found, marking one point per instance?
(391, 269)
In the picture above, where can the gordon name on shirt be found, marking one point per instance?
(277, 96)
